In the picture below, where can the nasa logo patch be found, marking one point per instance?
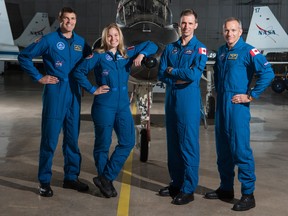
(58, 64)
(174, 51)
(105, 72)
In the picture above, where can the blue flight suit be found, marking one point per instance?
(182, 110)
(112, 109)
(61, 101)
(233, 73)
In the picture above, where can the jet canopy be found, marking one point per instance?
(130, 12)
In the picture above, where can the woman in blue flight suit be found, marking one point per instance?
(111, 105)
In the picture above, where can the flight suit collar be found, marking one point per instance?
(239, 43)
(193, 39)
(63, 37)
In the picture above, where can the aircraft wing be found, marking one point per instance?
(210, 62)
(13, 58)
(7, 57)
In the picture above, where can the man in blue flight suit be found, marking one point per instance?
(60, 50)
(236, 64)
(181, 67)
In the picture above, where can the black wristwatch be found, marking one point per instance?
(169, 71)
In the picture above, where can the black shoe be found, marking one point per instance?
(164, 191)
(45, 190)
(114, 192)
(220, 194)
(169, 191)
(245, 203)
(76, 185)
(183, 198)
(104, 185)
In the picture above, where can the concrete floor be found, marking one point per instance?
(137, 185)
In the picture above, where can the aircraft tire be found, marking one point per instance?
(278, 85)
(211, 108)
(144, 145)
(286, 84)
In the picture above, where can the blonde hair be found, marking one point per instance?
(104, 45)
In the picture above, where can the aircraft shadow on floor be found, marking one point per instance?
(157, 120)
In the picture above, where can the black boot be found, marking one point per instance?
(169, 190)
(104, 185)
(45, 190)
(245, 203)
(183, 198)
(220, 194)
(114, 192)
(164, 191)
(76, 185)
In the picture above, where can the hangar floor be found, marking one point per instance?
(137, 185)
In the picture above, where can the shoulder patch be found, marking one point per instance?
(90, 56)
(254, 52)
(38, 40)
(131, 48)
(202, 51)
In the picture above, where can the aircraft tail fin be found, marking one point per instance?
(265, 32)
(37, 27)
(6, 35)
(55, 25)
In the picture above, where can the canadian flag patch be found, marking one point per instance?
(202, 50)
(254, 52)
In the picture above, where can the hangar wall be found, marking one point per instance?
(93, 15)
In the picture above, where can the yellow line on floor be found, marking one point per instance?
(134, 108)
(124, 198)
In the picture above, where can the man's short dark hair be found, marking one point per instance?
(188, 12)
(66, 10)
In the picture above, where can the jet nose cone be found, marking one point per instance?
(150, 62)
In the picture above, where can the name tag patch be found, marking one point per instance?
(233, 56)
(77, 47)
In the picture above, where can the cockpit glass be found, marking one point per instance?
(132, 11)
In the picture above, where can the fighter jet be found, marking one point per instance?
(9, 48)
(142, 20)
(269, 37)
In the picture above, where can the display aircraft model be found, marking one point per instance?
(55, 25)
(266, 33)
(269, 37)
(9, 48)
(141, 21)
